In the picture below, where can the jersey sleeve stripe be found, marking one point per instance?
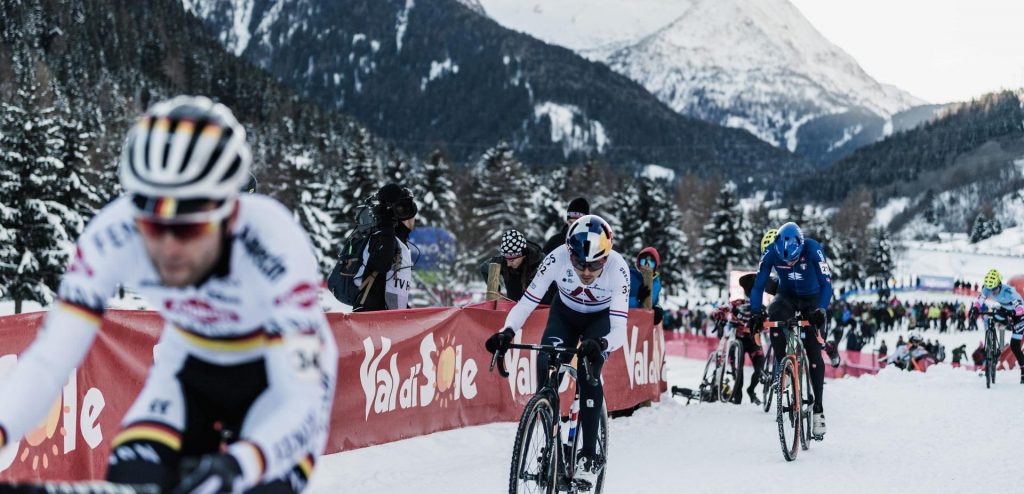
(532, 297)
(618, 314)
(260, 457)
(90, 315)
(306, 464)
(149, 431)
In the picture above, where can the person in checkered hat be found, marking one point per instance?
(519, 260)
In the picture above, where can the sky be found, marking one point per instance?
(938, 50)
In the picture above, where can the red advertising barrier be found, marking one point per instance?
(401, 374)
(699, 347)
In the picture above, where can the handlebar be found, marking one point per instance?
(498, 359)
(785, 324)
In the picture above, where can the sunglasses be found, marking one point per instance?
(185, 226)
(592, 266)
(647, 262)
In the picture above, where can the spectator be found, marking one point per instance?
(959, 353)
(519, 260)
(578, 208)
(978, 356)
(386, 274)
(647, 261)
(883, 350)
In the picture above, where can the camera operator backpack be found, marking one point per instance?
(342, 280)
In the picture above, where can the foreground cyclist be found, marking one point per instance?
(1008, 298)
(593, 289)
(245, 343)
(805, 285)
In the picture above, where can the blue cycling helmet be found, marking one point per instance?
(790, 242)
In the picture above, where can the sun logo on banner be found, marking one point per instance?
(41, 434)
(447, 357)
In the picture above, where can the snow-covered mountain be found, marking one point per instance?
(436, 74)
(474, 5)
(758, 65)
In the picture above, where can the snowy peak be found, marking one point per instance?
(745, 38)
(474, 5)
(757, 65)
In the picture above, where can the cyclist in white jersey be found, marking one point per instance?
(592, 305)
(245, 343)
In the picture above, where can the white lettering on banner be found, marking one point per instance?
(522, 370)
(443, 379)
(37, 443)
(643, 364)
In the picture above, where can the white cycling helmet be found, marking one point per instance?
(589, 238)
(186, 148)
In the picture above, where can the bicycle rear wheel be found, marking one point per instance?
(806, 405)
(535, 454)
(768, 380)
(787, 407)
(732, 367)
(602, 450)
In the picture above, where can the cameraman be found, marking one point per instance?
(387, 261)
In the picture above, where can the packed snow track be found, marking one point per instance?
(896, 432)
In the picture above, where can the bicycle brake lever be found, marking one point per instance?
(499, 359)
(587, 375)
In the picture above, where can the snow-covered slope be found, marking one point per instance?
(758, 65)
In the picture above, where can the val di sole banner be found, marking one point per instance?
(401, 374)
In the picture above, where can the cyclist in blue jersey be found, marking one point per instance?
(1008, 298)
(805, 285)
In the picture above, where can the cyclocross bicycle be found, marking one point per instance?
(795, 398)
(994, 342)
(545, 451)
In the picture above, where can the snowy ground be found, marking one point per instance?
(895, 432)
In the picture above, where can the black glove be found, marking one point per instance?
(817, 317)
(659, 313)
(499, 342)
(591, 348)
(757, 321)
(642, 293)
(211, 474)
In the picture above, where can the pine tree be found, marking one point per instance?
(549, 205)
(34, 231)
(880, 264)
(757, 222)
(435, 193)
(663, 231)
(361, 175)
(310, 205)
(721, 242)
(978, 229)
(499, 200)
(78, 185)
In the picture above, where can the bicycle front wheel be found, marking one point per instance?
(602, 450)
(535, 454)
(991, 357)
(787, 409)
